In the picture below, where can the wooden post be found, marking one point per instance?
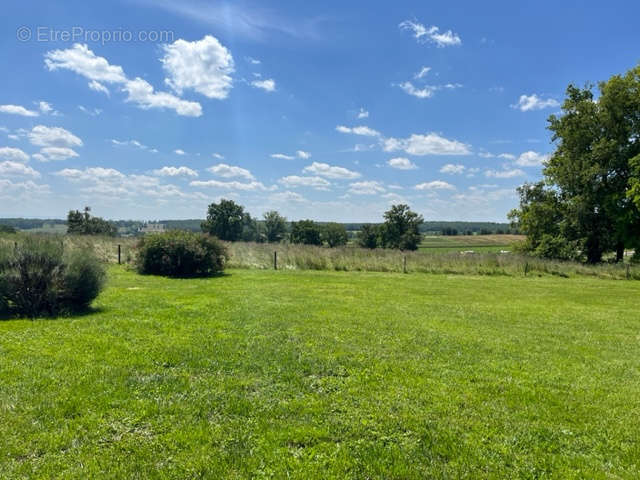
(404, 264)
(119, 251)
(275, 260)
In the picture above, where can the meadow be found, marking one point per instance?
(320, 374)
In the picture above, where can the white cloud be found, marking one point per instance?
(25, 190)
(98, 87)
(293, 181)
(55, 153)
(426, 92)
(94, 113)
(282, 156)
(179, 152)
(452, 169)
(45, 107)
(18, 110)
(83, 61)
(253, 61)
(363, 113)
(435, 185)
(175, 172)
(141, 92)
(233, 185)
(431, 34)
(361, 130)
(422, 73)
(13, 154)
(507, 156)
(302, 154)
(401, 163)
(504, 173)
(531, 159)
(534, 102)
(370, 187)
(329, 171)
(43, 136)
(287, 197)
(429, 144)
(9, 168)
(218, 156)
(268, 84)
(230, 171)
(204, 66)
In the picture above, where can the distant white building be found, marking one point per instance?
(152, 227)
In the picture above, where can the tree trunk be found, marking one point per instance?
(619, 252)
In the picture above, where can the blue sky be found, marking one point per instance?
(326, 110)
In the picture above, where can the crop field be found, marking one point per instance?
(320, 374)
(475, 243)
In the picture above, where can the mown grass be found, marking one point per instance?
(305, 374)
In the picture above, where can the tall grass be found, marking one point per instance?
(305, 257)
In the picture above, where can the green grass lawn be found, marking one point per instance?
(262, 374)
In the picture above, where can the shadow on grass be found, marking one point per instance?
(188, 277)
(13, 314)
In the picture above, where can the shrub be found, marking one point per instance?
(180, 254)
(37, 278)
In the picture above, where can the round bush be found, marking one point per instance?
(180, 254)
(37, 278)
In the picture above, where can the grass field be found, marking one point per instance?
(475, 243)
(304, 374)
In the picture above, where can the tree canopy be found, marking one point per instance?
(228, 221)
(589, 201)
(83, 223)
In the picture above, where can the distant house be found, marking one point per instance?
(152, 227)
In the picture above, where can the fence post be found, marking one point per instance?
(275, 260)
(119, 250)
(404, 264)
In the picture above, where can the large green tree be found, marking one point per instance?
(590, 181)
(335, 234)
(83, 223)
(228, 221)
(401, 228)
(275, 226)
(307, 232)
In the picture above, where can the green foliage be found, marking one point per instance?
(275, 226)
(335, 235)
(368, 236)
(306, 232)
(38, 278)
(228, 221)
(83, 223)
(590, 191)
(401, 228)
(180, 254)
(7, 229)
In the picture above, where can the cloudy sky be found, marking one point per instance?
(326, 110)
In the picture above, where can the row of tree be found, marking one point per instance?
(588, 203)
(228, 221)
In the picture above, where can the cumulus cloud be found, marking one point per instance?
(429, 144)
(55, 153)
(178, 151)
(363, 113)
(435, 185)
(361, 130)
(431, 34)
(98, 87)
(24, 190)
(9, 168)
(369, 187)
(534, 102)
(268, 84)
(507, 173)
(18, 110)
(330, 171)
(293, 181)
(282, 156)
(230, 171)
(175, 172)
(13, 154)
(287, 197)
(401, 163)
(232, 185)
(426, 92)
(217, 155)
(204, 66)
(531, 159)
(81, 60)
(43, 136)
(302, 154)
(452, 169)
